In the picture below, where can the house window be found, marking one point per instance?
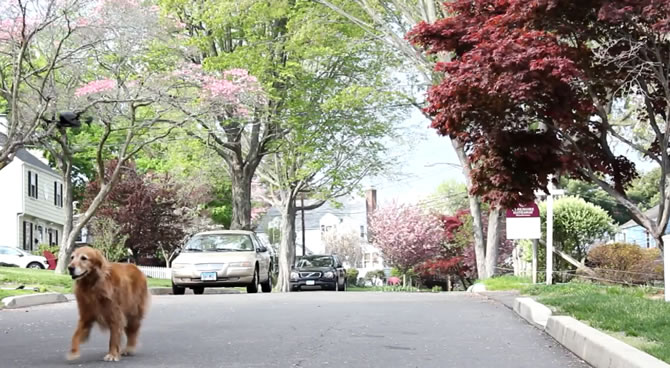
(362, 232)
(27, 236)
(32, 184)
(58, 194)
(53, 236)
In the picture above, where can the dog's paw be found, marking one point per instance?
(72, 355)
(111, 358)
(129, 350)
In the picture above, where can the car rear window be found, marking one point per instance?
(219, 243)
(324, 261)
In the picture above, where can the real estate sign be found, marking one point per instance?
(523, 222)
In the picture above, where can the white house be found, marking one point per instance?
(351, 216)
(32, 202)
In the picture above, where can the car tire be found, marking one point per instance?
(266, 286)
(337, 285)
(344, 285)
(199, 290)
(35, 266)
(178, 290)
(253, 287)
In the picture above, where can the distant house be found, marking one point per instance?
(352, 215)
(32, 202)
(631, 232)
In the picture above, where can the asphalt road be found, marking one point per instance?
(307, 329)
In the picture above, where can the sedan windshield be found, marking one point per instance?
(319, 261)
(220, 243)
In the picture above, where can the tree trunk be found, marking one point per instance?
(492, 242)
(287, 244)
(241, 188)
(70, 238)
(68, 206)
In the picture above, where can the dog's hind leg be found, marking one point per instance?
(81, 334)
(132, 330)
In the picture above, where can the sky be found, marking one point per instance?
(416, 179)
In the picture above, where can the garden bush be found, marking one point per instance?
(51, 248)
(626, 263)
(352, 277)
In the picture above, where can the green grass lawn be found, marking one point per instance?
(627, 313)
(507, 282)
(45, 281)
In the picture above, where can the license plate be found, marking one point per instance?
(309, 283)
(208, 276)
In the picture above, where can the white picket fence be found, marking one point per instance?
(156, 272)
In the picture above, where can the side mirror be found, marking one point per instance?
(262, 249)
(20, 254)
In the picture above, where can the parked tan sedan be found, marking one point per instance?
(222, 258)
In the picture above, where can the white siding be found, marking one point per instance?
(43, 206)
(11, 197)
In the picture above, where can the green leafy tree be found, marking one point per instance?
(450, 197)
(577, 225)
(643, 191)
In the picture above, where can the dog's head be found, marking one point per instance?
(85, 261)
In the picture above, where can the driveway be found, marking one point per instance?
(306, 329)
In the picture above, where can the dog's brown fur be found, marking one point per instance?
(114, 295)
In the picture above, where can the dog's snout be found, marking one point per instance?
(71, 270)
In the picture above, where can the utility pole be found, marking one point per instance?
(550, 229)
(302, 210)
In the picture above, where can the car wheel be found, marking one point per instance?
(344, 285)
(337, 285)
(35, 266)
(267, 285)
(177, 290)
(199, 290)
(253, 287)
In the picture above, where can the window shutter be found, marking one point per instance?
(57, 239)
(25, 233)
(30, 183)
(61, 196)
(36, 185)
(55, 193)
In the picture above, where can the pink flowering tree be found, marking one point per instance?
(406, 235)
(129, 101)
(230, 120)
(44, 49)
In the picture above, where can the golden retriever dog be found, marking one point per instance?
(114, 295)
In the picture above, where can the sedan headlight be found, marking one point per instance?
(329, 275)
(294, 275)
(179, 265)
(239, 264)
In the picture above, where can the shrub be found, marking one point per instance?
(54, 249)
(352, 276)
(628, 263)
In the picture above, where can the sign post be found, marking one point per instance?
(523, 222)
(550, 231)
(666, 267)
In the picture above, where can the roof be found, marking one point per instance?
(353, 208)
(30, 159)
(27, 157)
(652, 213)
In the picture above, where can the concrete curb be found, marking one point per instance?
(31, 300)
(597, 348)
(477, 288)
(532, 311)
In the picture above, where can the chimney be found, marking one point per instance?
(370, 207)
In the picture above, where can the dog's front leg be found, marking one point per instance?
(80, 335)
(114, 353)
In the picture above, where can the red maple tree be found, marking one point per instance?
(533, 89)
